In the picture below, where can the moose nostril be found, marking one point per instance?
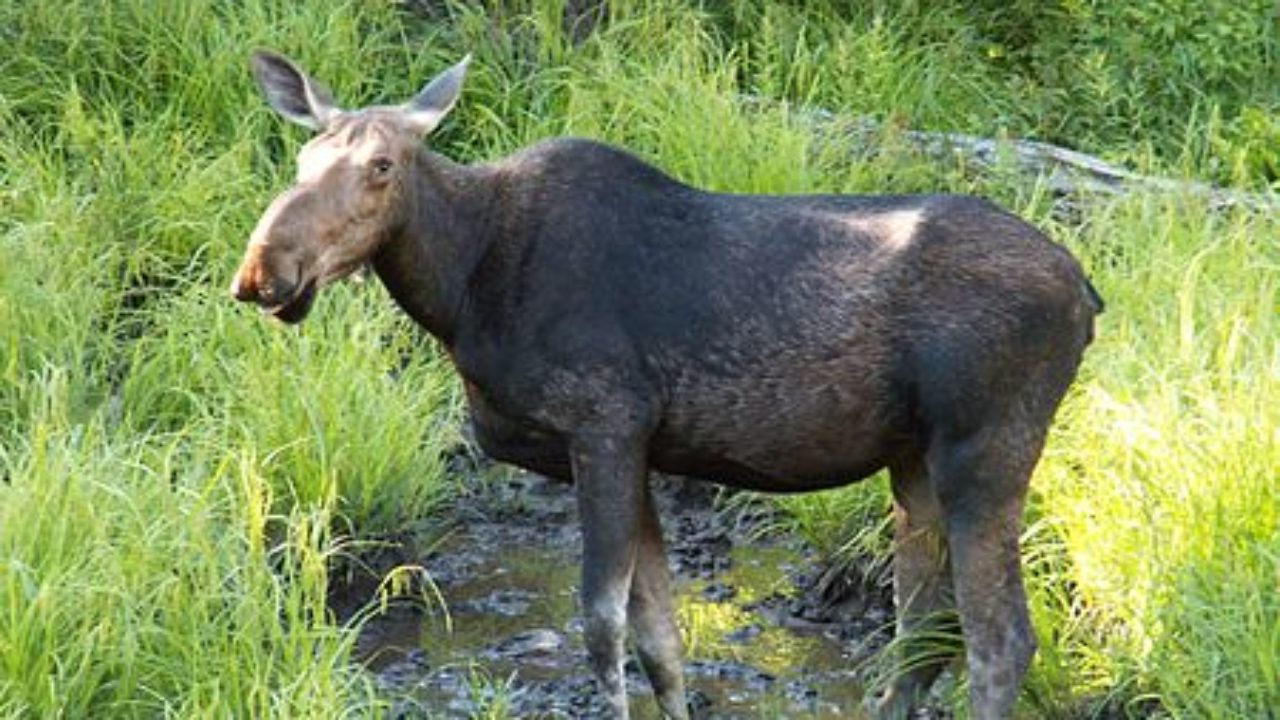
(276, 291)
(270, 292)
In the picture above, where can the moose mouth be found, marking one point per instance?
(293, 311)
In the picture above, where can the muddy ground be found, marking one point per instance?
(768, 635)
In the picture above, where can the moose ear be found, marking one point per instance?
(291, 93)
(428, 107)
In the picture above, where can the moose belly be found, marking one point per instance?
(804, 439)
(776, 436)
(750, 475)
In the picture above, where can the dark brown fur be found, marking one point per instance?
(608, 320)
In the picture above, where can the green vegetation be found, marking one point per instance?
(177, 476)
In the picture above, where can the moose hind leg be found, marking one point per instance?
(921, 589)
(653, 621)
(983, 483)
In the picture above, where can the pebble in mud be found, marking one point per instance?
(800, 693)
(743, 635)
(752, 678)
(533, 643)
(719, 592)
(506, 603)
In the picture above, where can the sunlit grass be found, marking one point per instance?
(1160, 483)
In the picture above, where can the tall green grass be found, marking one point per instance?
(178, 476)
(1159, 490)
(138, 581)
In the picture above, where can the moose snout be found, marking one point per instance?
(270, 292)
(253, 283)
(273, 266)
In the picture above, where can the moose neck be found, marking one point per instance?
(426, 267)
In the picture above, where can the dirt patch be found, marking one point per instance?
(759, 643)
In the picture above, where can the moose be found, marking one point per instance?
(608, 320)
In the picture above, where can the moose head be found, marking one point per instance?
(352, 190)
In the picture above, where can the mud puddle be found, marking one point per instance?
(757, 644)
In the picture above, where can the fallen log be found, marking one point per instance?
(1068, 174)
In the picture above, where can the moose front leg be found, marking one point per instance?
(609, 475)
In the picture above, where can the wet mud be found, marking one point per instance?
(766, 636)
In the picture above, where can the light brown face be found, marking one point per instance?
(353, 187)
(351, 193)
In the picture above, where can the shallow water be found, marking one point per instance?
(512, 634)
